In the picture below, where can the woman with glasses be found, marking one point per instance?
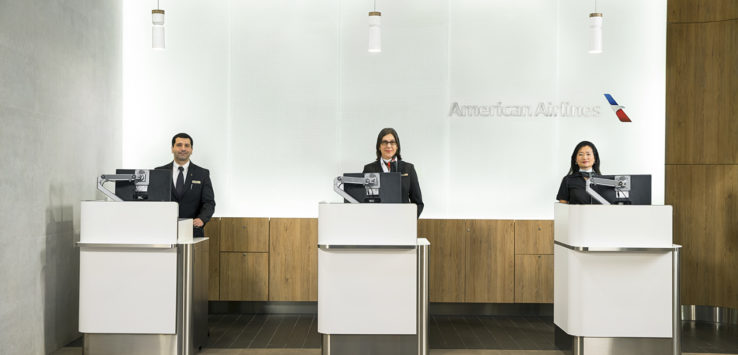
(390, 160)
(585, 163)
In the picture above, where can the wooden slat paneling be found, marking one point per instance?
(244, 234)
(705, 200)
(293, 259)
(701, 10)
(534, 237)
(244, 276)
(701, 91)
(446, 279)
(534, 278)
(212, 231)
(490, 261)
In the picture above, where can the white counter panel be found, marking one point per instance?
(367, 291)
(367, 224)
(613, 294)
(128, 291)
(129, 222)
(613, 225)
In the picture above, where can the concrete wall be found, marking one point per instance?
(60, 118)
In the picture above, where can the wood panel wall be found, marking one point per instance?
(702, 146)
(293, 259)
(472, 261)
(489, 261)
(447, 260)
(534, 261)
(212, 231)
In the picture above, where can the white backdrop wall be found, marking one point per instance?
(281, 96)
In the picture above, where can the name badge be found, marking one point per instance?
(196, 181)
(403, 175)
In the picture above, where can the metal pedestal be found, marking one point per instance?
(192, 314)
(361, 344)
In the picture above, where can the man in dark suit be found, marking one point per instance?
(192, 187)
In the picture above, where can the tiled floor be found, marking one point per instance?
(444, 332)
(701, 337)
(477, 332)
(250, 334)
(264, 331)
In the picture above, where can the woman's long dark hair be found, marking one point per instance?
(384, 132)
(574, 167)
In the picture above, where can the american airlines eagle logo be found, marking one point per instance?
(617, 109)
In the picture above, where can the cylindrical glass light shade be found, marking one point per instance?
(375, 32)
(157, 29)
(595, 32)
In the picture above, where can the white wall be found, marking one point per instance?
(60, 119)
(282, 96)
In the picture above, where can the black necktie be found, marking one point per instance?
(180, 182)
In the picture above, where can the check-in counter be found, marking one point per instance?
(372, 280)
(616, 280)
(143, 279)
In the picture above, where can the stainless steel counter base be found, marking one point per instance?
(370, 344)
(575, 345)
(364, 344)
(718, 315)
(192, 314)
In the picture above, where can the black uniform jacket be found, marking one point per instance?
(198, 199)
(574, 190)
(410, 185)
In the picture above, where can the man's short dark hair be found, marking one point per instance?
(183, 135)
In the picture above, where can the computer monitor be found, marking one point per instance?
(390, 189)
(640, 190)
(158, 187)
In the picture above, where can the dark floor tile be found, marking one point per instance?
(266, 332)
(76, 343)
(227, 330)
(249, 331)
(451, 339)
(314, 340)
(435, 336)
(542, 335)
(299, 332)
(444, 332)
(283, 332)
(527, 335)
(500, 326)
(469, 334)
(709, 337)
(486, 338)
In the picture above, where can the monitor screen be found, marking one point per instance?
(390, 189)
(157, 188)
(640, 190)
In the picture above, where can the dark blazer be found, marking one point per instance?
(410, 185)
(573, 189)
(198, 199)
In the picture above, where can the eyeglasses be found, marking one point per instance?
(385, 143)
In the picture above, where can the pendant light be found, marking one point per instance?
(595, 31)
(157, 28)
(375, 30)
